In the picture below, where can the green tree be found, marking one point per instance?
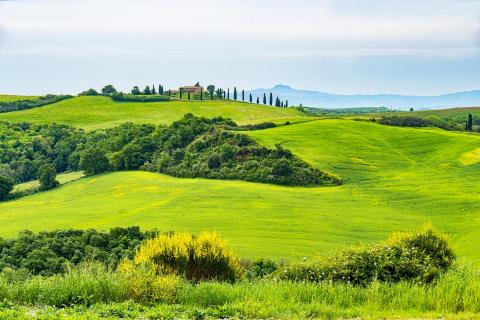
(211, 90)
(136, 91)
(235, 93)
(108, 90)
(282, 168)
(89, 92)
(160, 90)
(258, 100)
(243, 95)
(264, 98)
(228, 93)
(271, 99)
(470, 122)
(147, 90)
(250, 98)
(93, 161)
(180, 91)
(188, 95)
(214, 161)
(6, 185)
(286, 104)
(47, 176)
(153, 89)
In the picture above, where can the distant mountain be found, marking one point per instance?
(327, 100)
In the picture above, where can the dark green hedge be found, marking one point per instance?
(139, 98)
(30, 104)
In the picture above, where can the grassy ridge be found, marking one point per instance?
(10, 98)
(101, 112)
(396, 179)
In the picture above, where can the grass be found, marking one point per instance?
(396, 180)
(10, 98)
(90, 293)
(61, 178)
(101, 112)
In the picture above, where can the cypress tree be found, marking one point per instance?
(169, 92)
(470, 122)
(188, 95)
(235, 93)
(181, 93)
(153, 89)
(264, 98)
(258, 100)
(243, 95)
(201, 94)
(286, 104)
(228, 93)
(271, 99)
(251, 98)
(224, 94)
(160, 89)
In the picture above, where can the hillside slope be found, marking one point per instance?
(396, 179)
(101, 112)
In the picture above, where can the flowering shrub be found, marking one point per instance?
(421, 256)
(202, 257)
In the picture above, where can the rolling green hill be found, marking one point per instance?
(396, 179)
(101, 112)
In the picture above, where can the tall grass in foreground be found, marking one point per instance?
(457, 292)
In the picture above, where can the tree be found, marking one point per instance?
(197, 84)
(180, 92)
(228, 93)
(277, 102)
(264, 98)
(160, 90)
(235, 93)
(136, 91)
(47, 176)
(211, 90)
(243, 95)
(6, 185)
(89, 92)
(286, 104)
(271, 99)
(147, 90)
(93, 161)
(258, 100)
(108, 90)
(188, 95)
(214, 161)
(411, 109)
(224, 94)
(153, 89)
(282, 168)
(201, 94)
(470, 122)
(250, 98)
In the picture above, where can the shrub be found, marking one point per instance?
(202, 257)
(30, 104)
(47, 177)
(138, 98)
(421, 256)
(6, 185)
(261, 268)
(93, 161)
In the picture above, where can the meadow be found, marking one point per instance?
(102, 112)
(396, 179)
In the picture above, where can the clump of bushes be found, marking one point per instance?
(257, 126)
(138, 98)
(48, 253)
(261, 268)
(412, 121)
(30, 104)
(422, 256)
(196, 257)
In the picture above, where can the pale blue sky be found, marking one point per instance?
(421, 47)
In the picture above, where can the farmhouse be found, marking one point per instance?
(192, 89)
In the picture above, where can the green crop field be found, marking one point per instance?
(10, 98)
(102, 112)
(61, 178)
(395, 179)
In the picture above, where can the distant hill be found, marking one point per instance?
(327, 100)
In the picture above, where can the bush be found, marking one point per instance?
(197, 258)
(6, 185)
(89, 92)
(30, 104)
(93, 161)
(47, 177)
(139, 98)
(261, 268)
(421, 257)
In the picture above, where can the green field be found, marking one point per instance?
(10, 97)
(396, 179)
(102, 112)
(61, 178)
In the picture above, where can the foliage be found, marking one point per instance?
(6, 185)
(48, 253)
(8, 106)
(108, 90)
(199, 147)
(89, 92)
(139, 97)
(261, 268)
(93, 161)
(201, 257)
(413, 121)
(47, 177)
(422, 256)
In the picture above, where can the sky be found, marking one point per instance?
(421, 47)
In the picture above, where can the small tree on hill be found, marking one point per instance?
(136, 90)
(108, 90)
(271, 99)
(228, 93)
(250, 98)
(47, 176)
(160, 90)
(286, 104)
(147, 90)
(153, 89)
(258, 100)
(180, 91)
(93, 161)
(188, 95)
(243, 95)
(264, 98)
(470, 122)
(211, 90)
(6, 186)
(235, 93)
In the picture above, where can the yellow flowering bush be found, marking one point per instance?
(197, 258)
